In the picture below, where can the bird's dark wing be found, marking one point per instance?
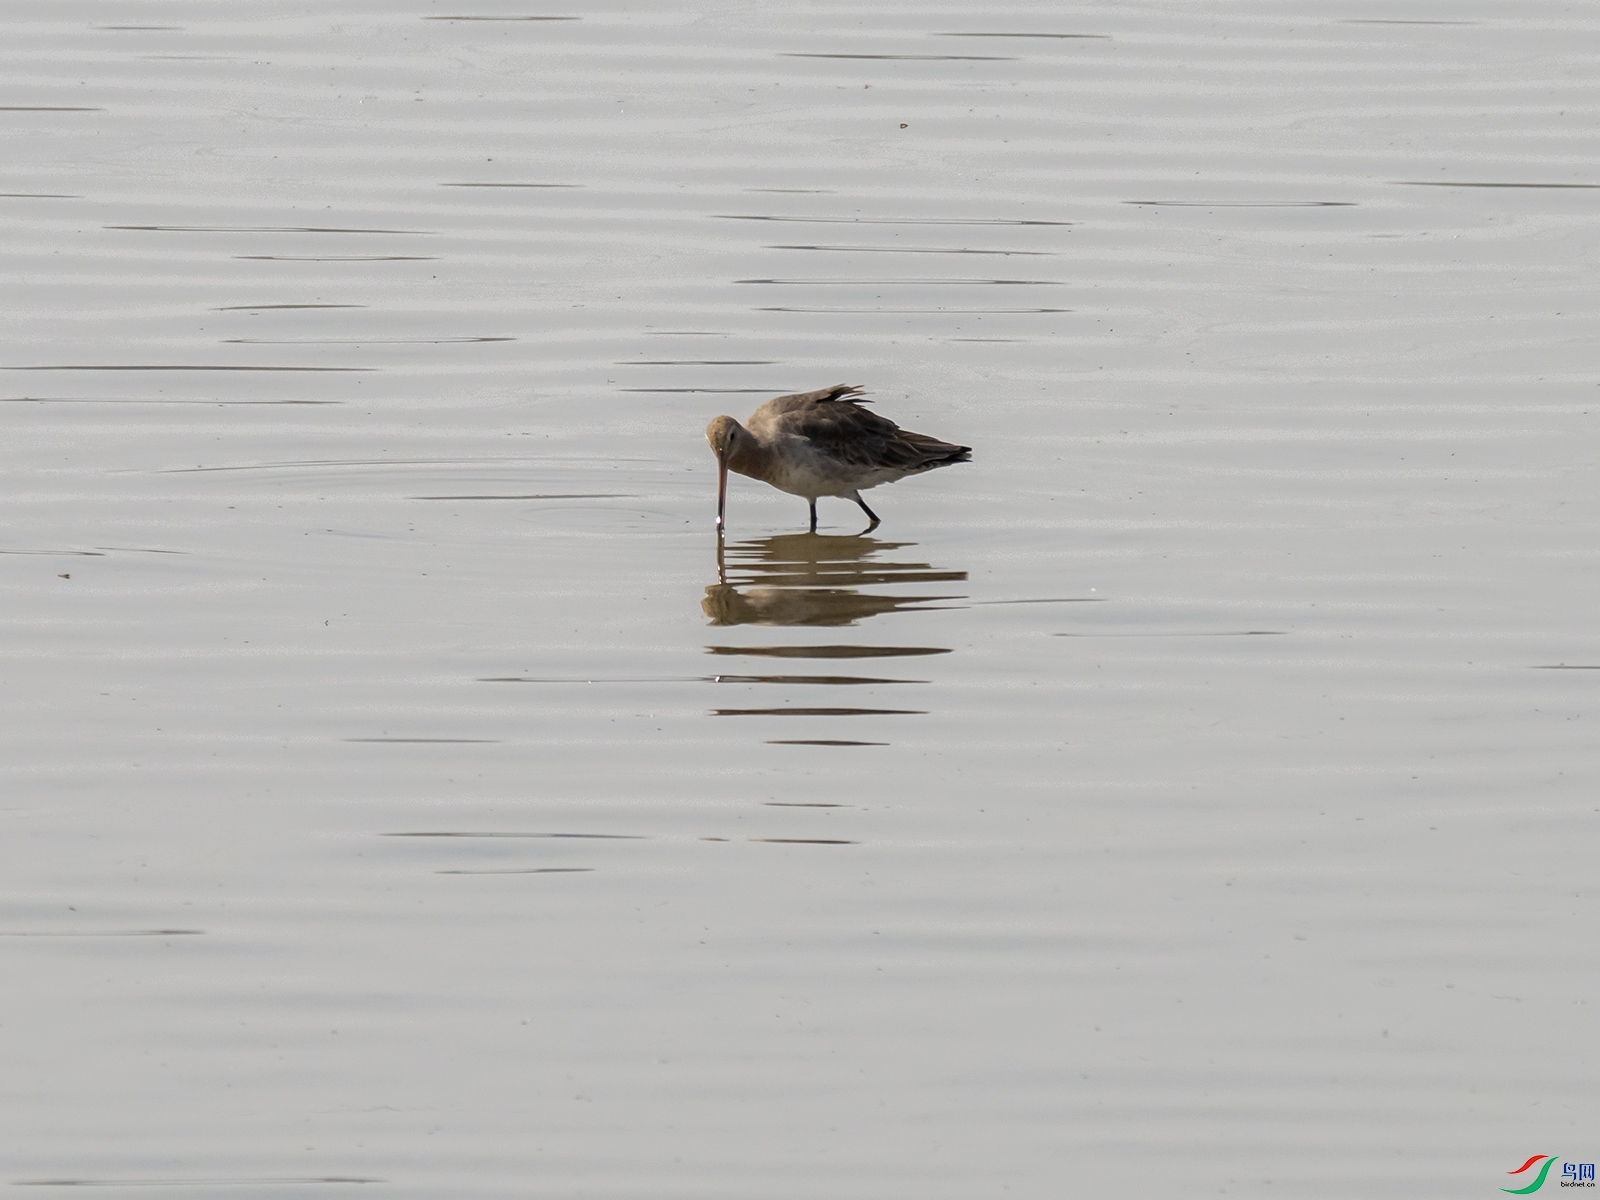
(848, 393)
(854, 437)
(851, 393)
(930, 451)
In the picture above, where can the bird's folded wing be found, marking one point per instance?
(849, 392)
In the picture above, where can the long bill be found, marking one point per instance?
(722, 491)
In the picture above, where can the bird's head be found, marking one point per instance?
(722, 433)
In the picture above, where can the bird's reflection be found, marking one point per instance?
(815, 579)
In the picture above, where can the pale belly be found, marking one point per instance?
(811, 477)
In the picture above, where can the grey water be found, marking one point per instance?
(407, 793)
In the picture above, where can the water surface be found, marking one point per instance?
(408, 794)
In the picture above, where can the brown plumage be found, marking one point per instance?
(823, 443)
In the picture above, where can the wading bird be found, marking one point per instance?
(823, 443)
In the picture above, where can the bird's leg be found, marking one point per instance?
(871, 516)
(813, 514)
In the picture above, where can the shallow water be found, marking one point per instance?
(1195, 791)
